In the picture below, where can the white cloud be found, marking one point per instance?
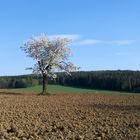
(123, 42)
(95, 41)
(87, 42)
(70, 36)
(77, 40)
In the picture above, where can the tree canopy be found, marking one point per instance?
(51, 55)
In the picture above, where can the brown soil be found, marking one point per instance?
(69, 117)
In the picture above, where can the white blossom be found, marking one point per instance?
(51, 55)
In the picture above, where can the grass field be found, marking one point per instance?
(65, 89)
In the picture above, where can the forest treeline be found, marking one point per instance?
(22, 81)
(108, 80)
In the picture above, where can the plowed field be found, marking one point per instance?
(69, 117)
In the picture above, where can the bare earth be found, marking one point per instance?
(69, 117)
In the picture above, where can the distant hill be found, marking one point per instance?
(119, 80)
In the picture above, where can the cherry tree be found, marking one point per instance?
(51, 56)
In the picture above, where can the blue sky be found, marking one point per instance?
(105, 33)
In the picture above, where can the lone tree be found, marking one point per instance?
(51, 55)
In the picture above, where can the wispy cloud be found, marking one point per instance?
(123, 42)
(87, 42)
(123, 53)
(70, 36)
(78, 40)
(95, 41)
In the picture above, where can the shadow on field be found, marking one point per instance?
(115, 107)
(10, 93)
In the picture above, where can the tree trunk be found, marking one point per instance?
(44, 86)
